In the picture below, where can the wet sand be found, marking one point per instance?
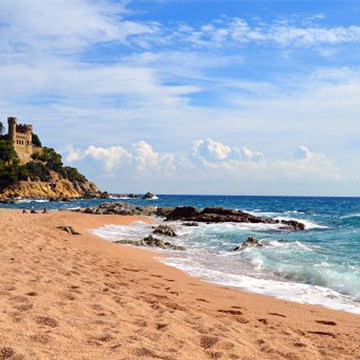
(80, 297)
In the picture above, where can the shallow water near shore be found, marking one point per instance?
(320, 265)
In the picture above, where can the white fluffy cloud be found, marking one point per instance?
(141, 160)
(211, 151)
(110, 157)
(213, 162)
(304, 154)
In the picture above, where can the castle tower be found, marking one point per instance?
(28, 132)
(12, 123)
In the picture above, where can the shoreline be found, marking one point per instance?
(135, 306)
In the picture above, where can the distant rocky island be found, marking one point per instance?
(29, 170)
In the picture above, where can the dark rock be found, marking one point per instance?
(89, 211)
(183, 213)
(191, 215)
(190, 224)
(91, 195)
(220, 214)
(69, 230)
(292, 224)
(104, 195)
(130, 242)
(66, 200)
(165, 230)
(151, 242)
(149, 195)
(249, 242)
(163, 211)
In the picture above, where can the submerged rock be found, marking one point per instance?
(249, 242)
(165, 230)
(190, 224)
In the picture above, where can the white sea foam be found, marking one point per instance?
(27, 201)
(354, 215)
(309, 225)
(291, 244)
(120, 197)
(286, 290)
(153, 198)
(264, 270)
(136, 231)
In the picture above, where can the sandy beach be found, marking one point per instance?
(80, 297)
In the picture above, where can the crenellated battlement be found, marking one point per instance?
(24, 128)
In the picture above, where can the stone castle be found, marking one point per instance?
(20, 136)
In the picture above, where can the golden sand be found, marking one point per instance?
(80, 297)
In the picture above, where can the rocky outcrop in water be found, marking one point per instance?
(165, 230)
(150, 241)
(192, 215)
(249, 242)
(149, 196)
(190, 224)
(221, 214)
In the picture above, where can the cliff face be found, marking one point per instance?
(57, 188)
(43, 176)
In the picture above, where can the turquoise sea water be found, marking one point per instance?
(320, 265)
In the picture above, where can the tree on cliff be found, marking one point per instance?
(1, 128)
(7, 152)
(35, 140)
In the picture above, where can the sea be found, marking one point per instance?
(320, 265)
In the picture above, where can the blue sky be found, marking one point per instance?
(223, 97)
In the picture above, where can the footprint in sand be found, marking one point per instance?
(326, 322)
(47, 321)
(207, 342)
(24, 307)
(324, 333)
(41, 338)
(8, 353)
(231, 312)
(276, 314)
(161, 327)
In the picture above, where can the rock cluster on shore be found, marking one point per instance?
(191, 215)
(150, 241)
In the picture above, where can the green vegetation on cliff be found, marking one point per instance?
(39, 169)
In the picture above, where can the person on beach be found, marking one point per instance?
(33, 211)
(45, 210)
(24, 211)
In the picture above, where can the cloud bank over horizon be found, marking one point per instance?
(206, 161)
(240, 97)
